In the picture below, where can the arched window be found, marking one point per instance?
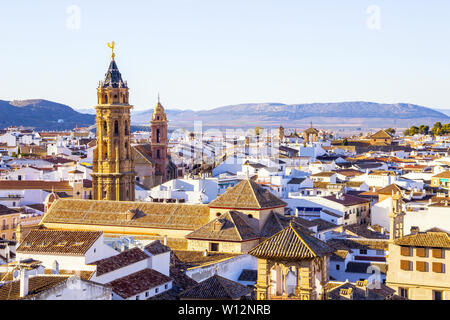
(105, 127)
(158, 154)
(126, 127)
(116, 128)
(158, 136)
(106, 98)
(126, 150)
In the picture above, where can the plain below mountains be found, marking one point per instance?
(47, 115)
(342, 114)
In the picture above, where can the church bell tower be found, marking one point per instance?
(113, 173)
(159, 142)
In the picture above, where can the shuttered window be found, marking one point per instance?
(438, 267)
(405, 251)
(438, 253)
(421, 266)
(405, 265)
(421, 252)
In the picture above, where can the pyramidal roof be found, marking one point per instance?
(230, 226)
(113, 78)
(216, 287)
(291, 243)
(382, 134)
(247, 194)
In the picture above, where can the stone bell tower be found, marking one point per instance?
(113, 173)
(159, 141)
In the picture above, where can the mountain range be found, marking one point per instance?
(42, 115)
(47, 115)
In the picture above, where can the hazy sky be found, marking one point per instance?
(201, 54)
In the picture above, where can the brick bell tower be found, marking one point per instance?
(113, 173)
(159, 141)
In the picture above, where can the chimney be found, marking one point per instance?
(23, 283)
(414, 230)
(363, 286)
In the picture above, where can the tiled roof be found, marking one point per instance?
(444, 175)
(248, 275)
(391, 188)
(145, 151)
(188, 259)
(36, 285)
(275, 223)
(34, 185)
(363, 231)
(425, 239)
(230, 226)
(156, 247)
(58, 242)
(4, 210)
(84, 275)
(138, 282)
(247, 194)
(359, 293)
(382, 134)
(291, 243)
(348, 244)
(123, 259)
(216, 288)
(113, 213)
(296, 180)
(324, 174)
(347, 200)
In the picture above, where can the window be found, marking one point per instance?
(156, 290)
(362, 251)
(105, 127)
(403, 292)
(438, 267)
(158, 154)
(406, 265)
(421, 252)
(421, 266)
(137, 297)
(437, 295)
(380, 252)
(405, 251)
(438, 253)
(126, 128)
(147, 294)
(214, 246)
(116, 128)
(166, 286)
(338, 267)
(158, 136)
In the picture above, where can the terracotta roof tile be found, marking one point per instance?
(216, 288)
(426, 239)
(291, 243)
(138, 282)
(123, 259)
(247, 194)
(113, 213)
(58, 242)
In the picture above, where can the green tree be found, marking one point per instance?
(390, 130)
(424, 129)
(345, 142)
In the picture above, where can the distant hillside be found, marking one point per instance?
(444, 111)
(42, 115)
(368, 114)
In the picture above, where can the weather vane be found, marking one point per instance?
(111, 45)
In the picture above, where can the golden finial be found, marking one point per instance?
(111, 45)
